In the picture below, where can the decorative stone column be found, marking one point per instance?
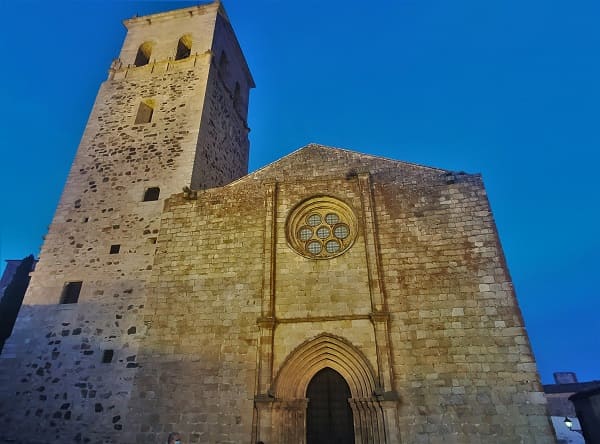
(380, 315)
(368, 421)
(289, 421)
(263, 422)
(263, 399)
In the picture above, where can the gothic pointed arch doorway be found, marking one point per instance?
(329, 416)
(281, 415)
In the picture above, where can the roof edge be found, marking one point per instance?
(313, 145)
(159, 16)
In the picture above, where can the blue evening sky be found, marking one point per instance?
(509, 89)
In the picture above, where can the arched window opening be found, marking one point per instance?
(237, 100)
(329, 416)
(151, 193)
(223, 64)
(144, 113)
(184, 48)
(143, 55)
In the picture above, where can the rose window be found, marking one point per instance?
(321, 228)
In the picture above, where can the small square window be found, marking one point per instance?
(70, 294)
(107, 356)
(114, 249)
(151, 194)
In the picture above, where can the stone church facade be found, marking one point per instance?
(328, 297)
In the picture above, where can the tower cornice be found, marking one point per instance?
(162, 16)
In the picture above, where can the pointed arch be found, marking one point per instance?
(223, 64)
(283, 418)
(237, 97)
(325, 350)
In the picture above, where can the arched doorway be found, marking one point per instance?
(329, 416)
(281, 415)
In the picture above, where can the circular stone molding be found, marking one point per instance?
(321, 228)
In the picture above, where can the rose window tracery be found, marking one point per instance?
(321, 228)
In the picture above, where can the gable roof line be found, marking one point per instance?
(318, 145)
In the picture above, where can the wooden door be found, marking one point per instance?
(329, 416)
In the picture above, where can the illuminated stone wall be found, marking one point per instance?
(221, 303)
(55, 385)
(418, 314)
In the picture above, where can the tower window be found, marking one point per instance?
(145, 111)
(151, 193)
(237, 97)
(70, 293)
(114, 249)
(223, 63)
(107, 356)
(143, 55)
(184, 48)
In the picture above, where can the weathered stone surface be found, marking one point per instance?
(459, 361)
(206, 320)
(102, 206)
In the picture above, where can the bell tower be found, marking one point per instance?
(172, 114)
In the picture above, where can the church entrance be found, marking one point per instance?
(329, 416)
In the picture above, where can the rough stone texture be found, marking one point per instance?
(216, 323)
(460, 366)
(54, 384)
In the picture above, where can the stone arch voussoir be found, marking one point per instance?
(325, 350)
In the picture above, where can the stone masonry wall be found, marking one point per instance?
(310, 291)
(199, 356)
(189, 325)
(461, 362)
(101, 206)
(57, 388)
(55, 385)
(223, 146)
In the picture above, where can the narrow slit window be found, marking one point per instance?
(114, 249)
(143, 55)
(151, 193)
(107, 356)
(70, 294)
(223, 64)
(144, 114)
(237, 98)
(184, 48)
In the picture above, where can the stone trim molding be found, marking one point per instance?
(280, 414)
(324, 351)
